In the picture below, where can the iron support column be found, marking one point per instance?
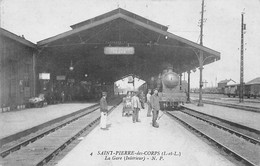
(180, 82)
(201, 83)
(34, 74)
(134, 83)
(188, 92)
(2, 78)
(1, 88)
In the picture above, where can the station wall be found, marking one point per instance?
(16, 72)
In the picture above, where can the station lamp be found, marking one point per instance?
(71, 66)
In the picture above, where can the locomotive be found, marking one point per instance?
(171, 90)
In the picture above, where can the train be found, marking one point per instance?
(232, 90)
(172, 91)
(249, 90)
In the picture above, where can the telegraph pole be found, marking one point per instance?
(241, 91)
(1, 63)
(201, 53)
(201, 22)
(0, 13)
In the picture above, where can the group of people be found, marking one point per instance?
(137, 103)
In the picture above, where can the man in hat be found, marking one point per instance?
(148, 99)
(136, 106)
(155, 107)
(142, 99)
(103, 110)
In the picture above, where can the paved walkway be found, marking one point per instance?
(104, 147)
(16, 121)
(247, 118)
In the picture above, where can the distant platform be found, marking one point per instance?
(224, 98)
(17, 121)
(168, 145)
(246, 118)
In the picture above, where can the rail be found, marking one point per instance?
(67, 135)
(236, 153)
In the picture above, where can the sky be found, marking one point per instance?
(41, 19)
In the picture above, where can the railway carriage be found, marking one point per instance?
(250, 90)
(232, 90)
(253, 88)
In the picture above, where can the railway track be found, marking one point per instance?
(42, 148)
(30, 132)
(242, 147)
(7, 149)
(248, 133)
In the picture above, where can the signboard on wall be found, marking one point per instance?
(119, 50)
(71, 80)
(44, 76)
(60, 77)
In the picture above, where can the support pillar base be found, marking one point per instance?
(200, 104)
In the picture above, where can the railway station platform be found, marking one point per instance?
(228, 100)
(246, 103)
(17, 121)
(128, 143)
(246, 118)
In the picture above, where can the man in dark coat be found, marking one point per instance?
(155, 107)
(103, 110)
(148, 100)
(136, 106)
(142, 99)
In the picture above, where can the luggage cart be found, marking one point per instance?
(127, 107)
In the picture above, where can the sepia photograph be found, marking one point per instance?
(129, 83)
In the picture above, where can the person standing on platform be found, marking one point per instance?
(142, 99)
(62, 96)
(155, 107)
(148, 99)
(104, 111)
(136, 107)
(127, 104)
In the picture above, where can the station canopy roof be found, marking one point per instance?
(254, 81)
(154, 48)
(19, 39)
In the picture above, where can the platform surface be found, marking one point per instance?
(16, 121)
(124, 135)
(246, 118)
